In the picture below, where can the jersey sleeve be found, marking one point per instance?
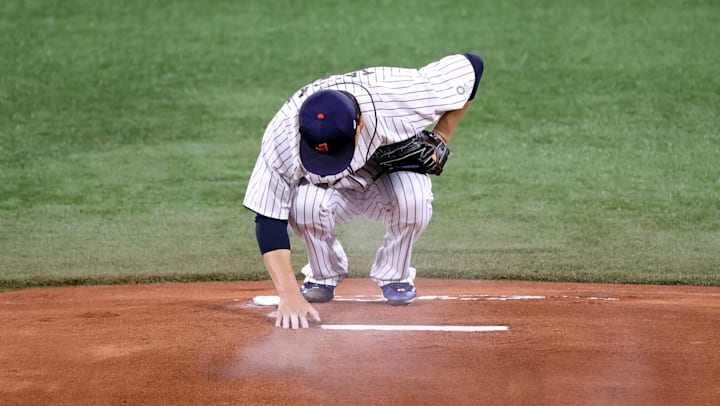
(274, 177)
(410, 100)
(268, 193)
(452, 79)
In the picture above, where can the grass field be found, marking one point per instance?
(128, 131)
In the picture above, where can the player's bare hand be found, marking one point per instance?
(293, 312)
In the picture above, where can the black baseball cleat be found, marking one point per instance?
(317, 293)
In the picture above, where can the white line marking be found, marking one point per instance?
(515, 297)
(359, 298)
(388, 327)
(375, 298)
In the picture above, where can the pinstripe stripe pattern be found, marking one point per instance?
(396, 103)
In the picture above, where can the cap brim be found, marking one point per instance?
(326, 164)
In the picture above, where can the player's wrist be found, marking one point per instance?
(441, 135)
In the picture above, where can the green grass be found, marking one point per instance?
(128, 131)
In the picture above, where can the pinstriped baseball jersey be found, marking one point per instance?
(396, 104)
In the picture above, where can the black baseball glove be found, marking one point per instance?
(423, 153)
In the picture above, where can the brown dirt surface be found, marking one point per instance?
(206, 343)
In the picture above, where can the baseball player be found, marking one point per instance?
(353, 145)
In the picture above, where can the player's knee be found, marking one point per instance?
(415, 212)
(310, 220)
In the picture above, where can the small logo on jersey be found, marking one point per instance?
(322, 148)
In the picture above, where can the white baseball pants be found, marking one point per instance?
(402, 201)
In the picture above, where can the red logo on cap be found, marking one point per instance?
(322, 148)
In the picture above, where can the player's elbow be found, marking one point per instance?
(271, 234)
(479, 66)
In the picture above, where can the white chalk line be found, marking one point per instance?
(372, 298)
(389, 327)
(263, 301)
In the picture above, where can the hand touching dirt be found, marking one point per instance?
(293, 311)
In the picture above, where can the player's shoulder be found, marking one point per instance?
(413, 68)
(447, 63)
(388, 74)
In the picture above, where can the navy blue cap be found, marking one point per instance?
(328, 124)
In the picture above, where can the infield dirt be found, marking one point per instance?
(207, 343)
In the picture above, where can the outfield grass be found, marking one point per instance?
(128, 131)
